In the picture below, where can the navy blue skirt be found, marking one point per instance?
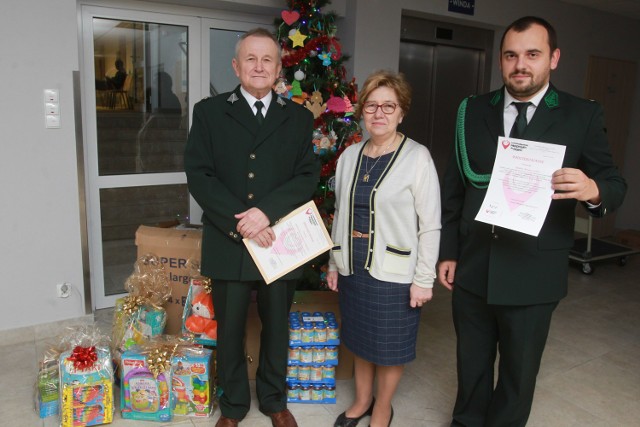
(378, 324)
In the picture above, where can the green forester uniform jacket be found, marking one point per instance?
(233, 163)
(505, 266)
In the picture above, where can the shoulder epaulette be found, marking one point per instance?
(551, 99)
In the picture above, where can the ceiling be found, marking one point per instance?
(628, 8)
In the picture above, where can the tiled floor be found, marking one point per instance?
(590, 373)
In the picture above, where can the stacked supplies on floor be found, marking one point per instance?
(313, 356)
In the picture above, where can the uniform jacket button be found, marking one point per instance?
(251, 175)
(252, 156)
(250, 196)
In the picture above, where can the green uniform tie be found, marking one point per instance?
(259, 115)
(521, 121)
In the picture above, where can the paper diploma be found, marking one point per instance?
(300, 237)
(519, 193)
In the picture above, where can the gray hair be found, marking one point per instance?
(259, 32)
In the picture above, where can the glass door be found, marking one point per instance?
(141, 76)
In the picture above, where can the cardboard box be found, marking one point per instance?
(302, 301)
(175, 247)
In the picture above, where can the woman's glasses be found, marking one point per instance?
(372, 107)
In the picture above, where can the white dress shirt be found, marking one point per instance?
(511, 112)
(252, 100)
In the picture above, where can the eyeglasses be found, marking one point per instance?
(387, 107)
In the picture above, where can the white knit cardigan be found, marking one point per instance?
(404, 217)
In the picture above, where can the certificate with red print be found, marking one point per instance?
(519, 193)
(300, 237)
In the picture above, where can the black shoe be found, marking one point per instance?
(344, 421)
(390, 418)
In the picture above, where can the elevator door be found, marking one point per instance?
(441, 74)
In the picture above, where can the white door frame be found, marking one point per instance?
(94, 181)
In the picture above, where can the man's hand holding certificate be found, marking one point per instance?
(519, 193)
(300, 237)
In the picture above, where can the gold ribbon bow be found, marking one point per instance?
(159, 359)
(206, 284)
(132, 304)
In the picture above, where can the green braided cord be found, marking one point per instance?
(462, 157)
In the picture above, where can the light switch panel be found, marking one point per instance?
(52, 108)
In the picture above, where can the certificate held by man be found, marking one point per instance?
(519, 193)
(300, 237)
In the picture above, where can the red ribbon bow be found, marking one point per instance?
(83, 357)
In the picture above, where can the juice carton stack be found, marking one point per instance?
(313, 356)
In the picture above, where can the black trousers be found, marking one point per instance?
(231, 303)
(519, 333)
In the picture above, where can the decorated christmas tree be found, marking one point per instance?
(314, 76)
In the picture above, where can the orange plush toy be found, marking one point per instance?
(201, 319)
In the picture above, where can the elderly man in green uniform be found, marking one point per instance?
(507, 284)
(249, 161)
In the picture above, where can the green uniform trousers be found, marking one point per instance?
(231, 302)
(519, 333)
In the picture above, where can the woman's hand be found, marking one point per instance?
(332, 280)
(419, 296)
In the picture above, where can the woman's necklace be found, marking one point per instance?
(368, 170)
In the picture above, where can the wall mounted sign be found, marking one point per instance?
(462, 6)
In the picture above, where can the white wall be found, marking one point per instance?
(39, 208)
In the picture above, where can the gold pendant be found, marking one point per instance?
(365, 178)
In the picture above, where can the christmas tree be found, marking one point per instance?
(313, 75)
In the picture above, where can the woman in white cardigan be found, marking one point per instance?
(386, 232)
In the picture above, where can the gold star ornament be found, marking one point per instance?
(298, 38)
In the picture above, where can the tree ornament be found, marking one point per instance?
(289, 16)
(297, 38)
(349, 107)
(282, 88)
(331, 183)
(296, 90)
(316, 97)
(325, 57)
(299, 75)
(336, 50)
(317, 108)
(336, 104)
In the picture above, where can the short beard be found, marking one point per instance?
(524, 91)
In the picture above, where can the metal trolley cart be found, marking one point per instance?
(587, 250)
